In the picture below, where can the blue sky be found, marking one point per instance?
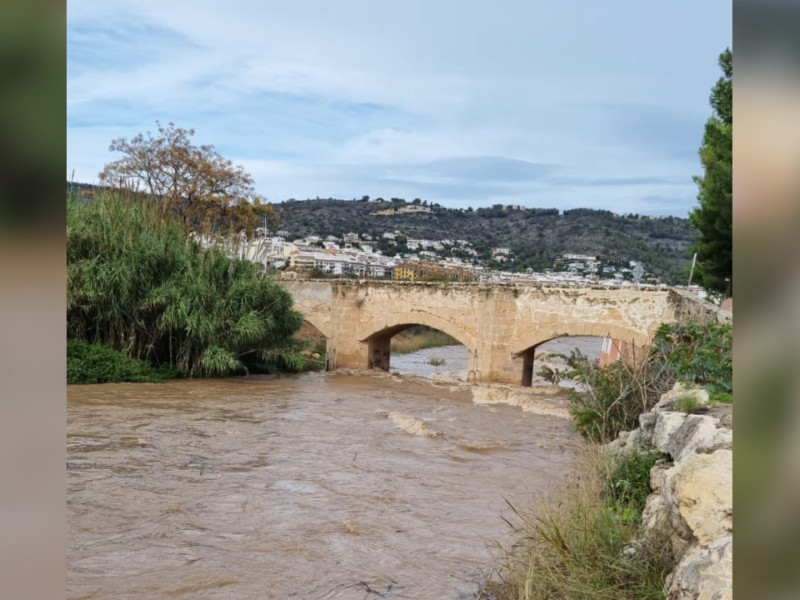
(464, 103)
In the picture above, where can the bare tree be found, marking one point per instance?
(211, 192)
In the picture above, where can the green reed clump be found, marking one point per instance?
(582, 544)
(138, 284)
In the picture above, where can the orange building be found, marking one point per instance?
(612, 351)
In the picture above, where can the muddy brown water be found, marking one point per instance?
(452, 362)
(310, 486)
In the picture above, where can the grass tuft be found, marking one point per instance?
(688, 404)
(584, 544)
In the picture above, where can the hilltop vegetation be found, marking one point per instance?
(536, 237)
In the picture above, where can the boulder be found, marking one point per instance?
(658, 473)
(627, 441)
(700, 493)
(667, 424)
(692, 499)
(655, 516)
(698, 434)
(704, 573)
(647, 425)
(670, 400)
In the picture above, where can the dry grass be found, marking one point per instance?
(580, 546)
(419, 337)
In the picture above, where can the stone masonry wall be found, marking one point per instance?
(499, 324)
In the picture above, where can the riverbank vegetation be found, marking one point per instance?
(95, 363)
(419, 337)
(586, 543)
(616, 394)
(137, 284)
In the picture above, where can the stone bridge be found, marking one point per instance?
(501, 325)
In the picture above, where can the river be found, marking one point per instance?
(453, 365)
(312, 486)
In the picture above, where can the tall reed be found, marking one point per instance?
(137, 283)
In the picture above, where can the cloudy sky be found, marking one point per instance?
(465, 103)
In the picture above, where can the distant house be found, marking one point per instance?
(426, 271)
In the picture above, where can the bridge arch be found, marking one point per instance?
(320, 324)
(378, 334)
(525, 348)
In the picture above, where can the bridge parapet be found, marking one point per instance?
(500, 324)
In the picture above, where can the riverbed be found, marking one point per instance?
(311, 486)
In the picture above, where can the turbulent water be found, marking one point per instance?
(314, 486)
(454, 359)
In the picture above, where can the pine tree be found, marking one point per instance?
(714, 215)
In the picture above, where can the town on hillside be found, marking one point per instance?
(408, 259)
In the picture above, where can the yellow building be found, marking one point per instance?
(421, 271)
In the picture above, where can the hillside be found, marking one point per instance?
(536, 237)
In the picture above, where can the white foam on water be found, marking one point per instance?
(540, 400)
(413, 425)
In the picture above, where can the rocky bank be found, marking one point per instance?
(692, 499)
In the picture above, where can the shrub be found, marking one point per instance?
(699, 354)
(616, 394)
(436, 361)
(93, 363)
(620, 391)
(628, 484)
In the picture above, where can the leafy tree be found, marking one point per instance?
(714, 216)
(211, 193)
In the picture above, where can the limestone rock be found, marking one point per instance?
(647, 424)
(704, 573)
(627, 441)
(655, 516)
(657, 474)
(692, 499)
(701, 490)
(667, 424)
(669, 401)
(698, 434)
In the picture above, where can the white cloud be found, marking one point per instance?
(357, 94)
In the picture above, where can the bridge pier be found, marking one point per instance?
(379, 352)
(527, 367)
